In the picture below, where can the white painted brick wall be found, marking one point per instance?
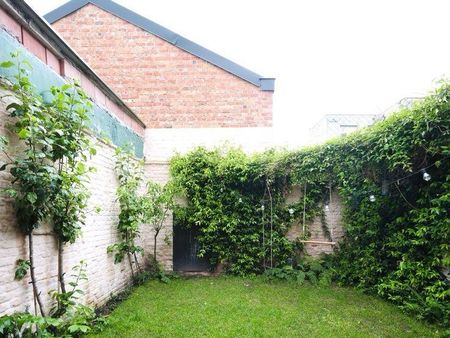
(105, 277)
(162, 144)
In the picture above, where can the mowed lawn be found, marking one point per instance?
(237, 307)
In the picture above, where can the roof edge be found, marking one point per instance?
(265, 84)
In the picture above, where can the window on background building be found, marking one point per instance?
(347, 128)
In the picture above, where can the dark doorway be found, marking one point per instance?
(185, 250)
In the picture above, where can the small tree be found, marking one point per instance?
(71, 146)
(130, 175)
(159, 201)
(47, 166)
(32, 168)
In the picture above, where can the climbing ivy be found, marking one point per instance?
(237, 204)
(398, 246)
(396, 243)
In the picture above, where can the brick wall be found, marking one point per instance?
(318, 243)
(105, 277)
(65, 69)
(166, 86)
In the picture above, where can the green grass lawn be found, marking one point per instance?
(237, 307)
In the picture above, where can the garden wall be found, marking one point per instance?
(109, 120)
(162, 144)
(105, 277)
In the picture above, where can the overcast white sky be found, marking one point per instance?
(328, 56)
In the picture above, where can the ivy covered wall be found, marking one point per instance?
(394, 182)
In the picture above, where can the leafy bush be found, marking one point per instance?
(154, 270)
(78, 322)
(68, 317)
(27, 325)
(65, 300)
(314, 271)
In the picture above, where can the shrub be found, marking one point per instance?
(314, 271)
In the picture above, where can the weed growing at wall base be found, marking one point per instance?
(68, 318)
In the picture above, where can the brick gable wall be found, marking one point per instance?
(166, 86)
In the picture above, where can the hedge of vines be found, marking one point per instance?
(396, 245)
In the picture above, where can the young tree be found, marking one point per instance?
(71, 146)
(130, 175)
(47, 165)
(159, 201)
(31, 162)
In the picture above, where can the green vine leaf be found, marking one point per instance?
(7, 64)
(23, 134)
(22, 267)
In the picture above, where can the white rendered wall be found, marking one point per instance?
(161, 144)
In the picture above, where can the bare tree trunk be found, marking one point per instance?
(129, 255)
(61, 266)
(154, 244)
(36, 293)
(131, 264)
(137, 262)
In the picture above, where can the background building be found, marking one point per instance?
(333, 125)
